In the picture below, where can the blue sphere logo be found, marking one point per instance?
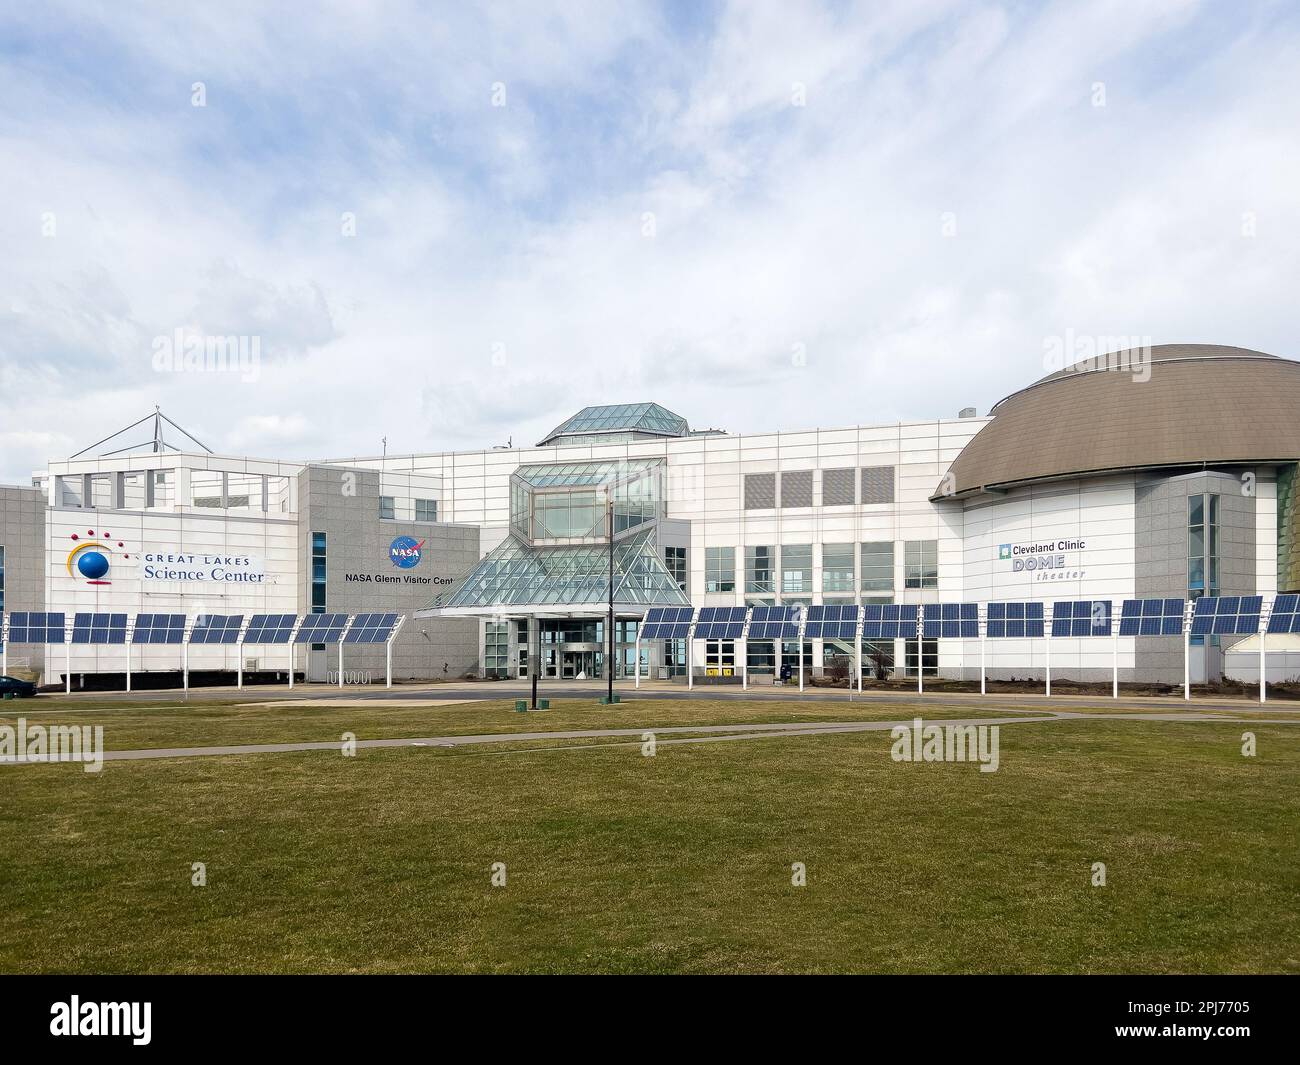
(405, 552)
(92, 565)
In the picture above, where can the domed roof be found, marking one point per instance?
(1171, 405)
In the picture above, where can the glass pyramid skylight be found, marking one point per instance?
(621, 418)
(514, 577)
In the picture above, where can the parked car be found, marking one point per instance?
(24, 689)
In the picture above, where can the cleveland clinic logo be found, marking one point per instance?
(1004, 551)
(405, 552)
(91, 559)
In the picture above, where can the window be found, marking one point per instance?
(758, 570)
(675, 561)
(837, 487)
(760, 491)
(318, 573)
(929, 658)
(921, 564)
(1202, 550)
(878, 567)
(837, 568)
(496, 648)
(796, 569)
(2, 579)
(719, 569)
(720, 658)
(387, 509)
(797, 488)
(426, 510)
(878, 484)
(207, 488)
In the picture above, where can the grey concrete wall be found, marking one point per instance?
(22, 535)
(357, 544)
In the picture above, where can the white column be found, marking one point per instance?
(185, 665)
(388, 662)
(239, 664)
(67, 679)
(857, 636)
(1047, 639)
(292, 656)
(1262, 695)
(1114, 682)
(690, 669)
(744, 664)
(800, 646)
(983, 687)
(128, 667)
(340, 662)
(1187, 667)
(637, 657)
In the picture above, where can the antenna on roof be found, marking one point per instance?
(158, 443)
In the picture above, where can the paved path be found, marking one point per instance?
(682, 734)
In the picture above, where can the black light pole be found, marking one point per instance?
(535, 624)
(609, 660)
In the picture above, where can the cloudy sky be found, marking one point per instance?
(455, 224)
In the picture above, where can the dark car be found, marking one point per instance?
(24, 689)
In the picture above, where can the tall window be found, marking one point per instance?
(921, 564)
(878, 567)
(719, 569)
(837, 568)
(496, 648)
(426, 510)
(796, 569)
(758, 570)
(386, 507)
(675, 560)
(2, 579)
(317, 573)
(1202, 550)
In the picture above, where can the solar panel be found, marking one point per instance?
(270, 628)
(1081, 617)
(101, 629)
(1151, 617)
(1015, 621)
(216, 628)
(720, 623)
(889, 621)
(950, 621)
(831, 621)
(667, 622)
(1227, 615)
(1286, 614)
(773, 623)
(371, 628)
(158, 628)
(321, 628)
(26, 626)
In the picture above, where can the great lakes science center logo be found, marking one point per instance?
(405, 552)
(91, 559)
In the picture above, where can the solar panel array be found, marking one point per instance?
(834, 621)
(1015, 620)
(1227, 615)
(321, 628)
(667, 622)
(720, 623)
(26, 626)
(888, 621)
(371, 628)
(99, 628)
(1286, 614)
(950, 621)
(216, 628)
(158, 628)
(773, 623)
(1082, 617)
(270, 628)
(1151, 617)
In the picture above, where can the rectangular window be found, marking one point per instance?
(387, 508)
(675, 561)
(2, 580)
(878, 567)
(921, 564)
(719, 569)
(207, 488)
(496, 649)
(796, 569)
(878, 484)
(797, 488)
(838, 487)
(837, 568)
(1203, 541)
(758, 570)
(929, 658)
(318, 573)
(760, 491)
(426, 510)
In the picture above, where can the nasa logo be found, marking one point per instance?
(405, 552)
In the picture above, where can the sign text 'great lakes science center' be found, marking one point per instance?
(201, 567)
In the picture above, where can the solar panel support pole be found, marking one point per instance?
(983, 683)
(67, 680)
(744, 665)
(690, 669)
(1187, 664)
(239, 665)
(128, 667)
(637, 652)
(799, 645)
(1114, 655)
(340, 661)
(858, 640)
(185, 665)
(292, 655)
(1261, 665)
(1047, 641)
(4, 653)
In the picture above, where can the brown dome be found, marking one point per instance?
(1203, 404)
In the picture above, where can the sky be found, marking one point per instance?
(454, 225)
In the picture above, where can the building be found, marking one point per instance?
(1166, 472)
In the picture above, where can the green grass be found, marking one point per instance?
(129, 726)
(677, 863)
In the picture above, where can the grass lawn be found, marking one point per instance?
(677, 863)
